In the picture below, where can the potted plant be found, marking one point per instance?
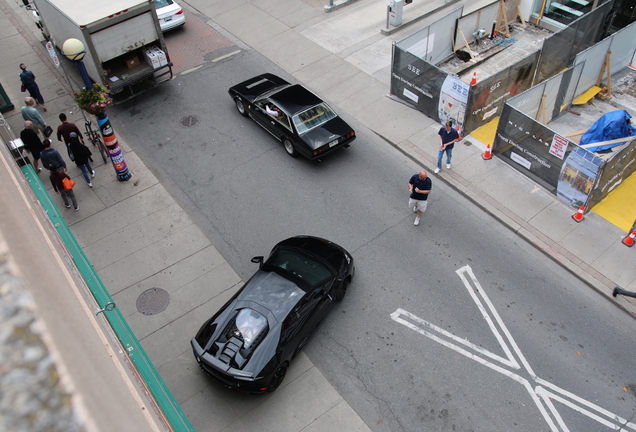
(94, 100)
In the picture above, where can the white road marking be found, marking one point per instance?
(544, 393)
(223, 57)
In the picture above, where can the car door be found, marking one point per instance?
(320, 302)
(268, 121)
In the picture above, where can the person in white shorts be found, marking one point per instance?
(420, 187)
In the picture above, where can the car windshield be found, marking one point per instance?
(250, 323)
(162, 3)
(313, 117)
(300, 265)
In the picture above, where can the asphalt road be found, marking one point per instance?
(400, 374)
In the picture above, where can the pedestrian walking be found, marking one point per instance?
(58, 186)
(420, 187)
(64, 133)
(447, 139)
(82, 156)
(51, 157)
(32, 143)
(622, 292)
(28, 83)
(30, 113)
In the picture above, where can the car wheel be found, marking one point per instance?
(289, 148)
(277, 378)
(241, 107)
(343, 290)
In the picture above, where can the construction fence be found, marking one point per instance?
(418, 80)
(525, 141)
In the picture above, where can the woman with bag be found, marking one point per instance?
(28, 83)
(58, 180)
(82, 155)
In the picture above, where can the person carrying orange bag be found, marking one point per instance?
(58, 178)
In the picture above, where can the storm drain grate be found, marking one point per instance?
(189, 121)
(153, 301)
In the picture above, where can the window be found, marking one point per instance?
(313, 117)
(162, 3)
(301, 266)
(566, 11)
(274, 112)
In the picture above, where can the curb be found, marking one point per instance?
(529, 234)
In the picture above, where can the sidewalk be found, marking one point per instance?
(138, 238)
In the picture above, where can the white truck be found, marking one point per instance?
(125, 48)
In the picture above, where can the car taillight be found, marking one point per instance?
(350, 134)
(180, 12)
(317, 152)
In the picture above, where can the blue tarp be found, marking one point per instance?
(613, 125)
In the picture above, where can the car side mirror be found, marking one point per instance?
(258, 260)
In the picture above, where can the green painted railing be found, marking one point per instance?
(155, 384)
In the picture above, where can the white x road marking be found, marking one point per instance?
(543, 394)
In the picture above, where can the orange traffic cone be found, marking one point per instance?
(578, 216)
(474, 80)
(487, 155)
(629, 240)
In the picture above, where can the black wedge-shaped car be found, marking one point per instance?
(248, 344)
(303, 122)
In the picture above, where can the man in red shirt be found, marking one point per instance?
(64, 132)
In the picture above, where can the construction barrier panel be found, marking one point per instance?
(417, 80)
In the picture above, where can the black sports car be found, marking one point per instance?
(293, 115)
(248, 344)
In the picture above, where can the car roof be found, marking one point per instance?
(271, 291)
(295, 98)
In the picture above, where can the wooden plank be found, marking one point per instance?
(520, 15)
(575, 133)
(602, 143)
(472, 57)
(587, 96)
(541, 114)
(502, 19)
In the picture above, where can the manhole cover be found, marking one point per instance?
(153, 301)
(189, 121)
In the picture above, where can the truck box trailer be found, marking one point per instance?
(125, 48)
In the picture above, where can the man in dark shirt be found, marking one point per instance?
(447, 138)
(420, 187)
(51, 157)
(64, 132)
(32, 143)
(28, 81)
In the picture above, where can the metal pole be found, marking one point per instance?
(105, 128)
(70, 83)
(87, 81)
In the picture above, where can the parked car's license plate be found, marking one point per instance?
(333, 143)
